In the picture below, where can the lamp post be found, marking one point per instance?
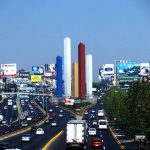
(115, 122)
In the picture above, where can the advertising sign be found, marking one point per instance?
(128, 70)
(36, 70)
(69, 101)
(24, 74)
(51, 71)
(36, 78)
(144, 69)
(8, 70)
(108, 69)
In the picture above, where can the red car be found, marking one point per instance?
(53, 114)
(96, 143)
(51, 117)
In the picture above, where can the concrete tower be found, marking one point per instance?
(89, 75)
(75, 80)
(59, 76)
(67, 67)
(81, 60)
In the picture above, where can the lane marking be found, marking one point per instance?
(52, 140)
(117, 140)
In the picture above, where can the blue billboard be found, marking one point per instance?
(127, 70)
(36, 70)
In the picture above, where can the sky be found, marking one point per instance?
(32, 32)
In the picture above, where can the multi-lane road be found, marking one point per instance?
(40, 108)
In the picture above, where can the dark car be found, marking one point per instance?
(3, 145)
(33, 128)
(96, 143)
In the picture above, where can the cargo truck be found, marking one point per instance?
(76, 132)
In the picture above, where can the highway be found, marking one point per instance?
(38, 141)
(31, 105)
(106, 136)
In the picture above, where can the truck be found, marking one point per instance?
(76, 131)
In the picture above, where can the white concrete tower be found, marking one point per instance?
(67, 67)
(89, 75)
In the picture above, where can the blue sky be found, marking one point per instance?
(32, 31)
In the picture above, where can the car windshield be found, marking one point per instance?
(92, 129)
(26, 135)
(102, 123)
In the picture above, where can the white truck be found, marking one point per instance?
(76, 132)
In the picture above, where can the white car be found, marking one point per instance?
(61, 111)
(100, 113)
(60, 115)
(26, 138)
(93, 111)
(102, 125)
(92, 131)
(29, 118)
(53, 124)
(50, 110)
(39, 131)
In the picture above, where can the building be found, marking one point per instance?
(59, 76)
(89, 75)
(67, 67)
(81, 60)
(75, 80)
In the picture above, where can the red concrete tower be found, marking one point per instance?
(81, 62)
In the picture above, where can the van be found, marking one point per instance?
(100, 113)
(102, 125)
(10, 103)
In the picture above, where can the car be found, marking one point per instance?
(53, 114)
(86, 112)
(33, 128)
(29, 118)
(5, 107)
(4, 121)
(94, 122)
(61, 111)
(26, 137)
(39, 131)
(92, 131)
(24, 124)
(100, 113)
(102, 124)
(93, 111)
(50, 110)
(53, 124)
(60, 115)
(3, 145)
(47, 121)
(51, 117)
(96, 143)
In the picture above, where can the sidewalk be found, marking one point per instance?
(121, 138)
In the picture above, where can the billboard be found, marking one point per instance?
(36, 70)
(127, 70)
(69, 101)
(24, 74)
(144, 69)
(51, 71)
(8, 70)
(36, 78)
(108, 69)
